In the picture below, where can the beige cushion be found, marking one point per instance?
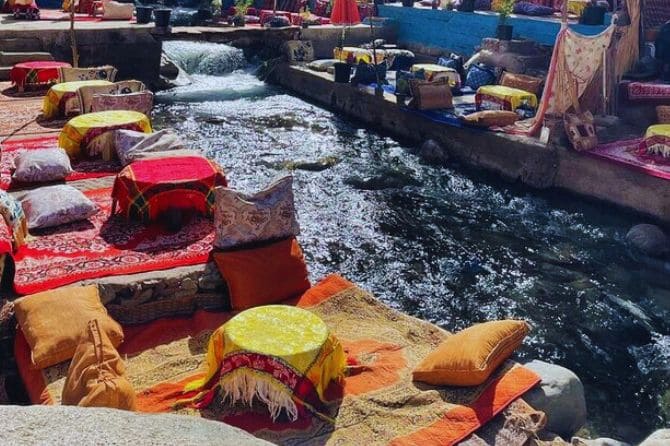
(105, 73)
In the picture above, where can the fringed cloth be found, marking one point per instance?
(574, 63)
(284, 356)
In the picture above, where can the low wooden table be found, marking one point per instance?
(35, 73)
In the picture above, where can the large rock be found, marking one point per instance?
(649, 239)
(560, 396)
(69, 425)
(659, 438)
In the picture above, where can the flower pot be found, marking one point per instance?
(504, 32)
(143, 14)
(162, 17)
(408, 3)
(467, 6)
(342, 72)
(593, 15)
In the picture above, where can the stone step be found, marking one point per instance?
(22, 44)
(11, 58)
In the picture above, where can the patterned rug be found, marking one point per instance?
(104, 246)
(23, 117)
(83, 170)
(627, 153)
(647, 92)
(377, 403)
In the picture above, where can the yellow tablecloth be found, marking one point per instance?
(498, 97)
(657, 140)
(54, 101)
(88, 130)
(433, 72)
(353, 55)
(282, 355)
(577, 6)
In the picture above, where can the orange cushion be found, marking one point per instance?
(53, 321)
(265, 275)
(470, 356)
(96, 377)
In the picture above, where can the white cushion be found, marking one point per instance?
(56, 205)
(36, 166)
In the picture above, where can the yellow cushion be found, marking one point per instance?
(468, 357)
(53, 321)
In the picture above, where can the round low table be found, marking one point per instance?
(434, 72)
(92, 131)
(59, 94)
(353, 55)
(35, 73)
(146, 189)
(286, 353)
(657, 140)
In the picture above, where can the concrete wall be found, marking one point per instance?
(461, 32)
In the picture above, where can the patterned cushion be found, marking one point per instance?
(142, 102)
(269, 214)
(35, 166)
(12, 212)
(86, 93)
(131, 145)
(125, 87)
(299, 50)
(522, 82)
(478, 76)
(106, 72)
(56, 205)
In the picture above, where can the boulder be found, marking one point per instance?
(577, 441)
(649, 239)
(659, 438)
(560, 396)
(82, 425)
(433, 152)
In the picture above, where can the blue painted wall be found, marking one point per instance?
(461, 32)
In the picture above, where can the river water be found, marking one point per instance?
(445, 244)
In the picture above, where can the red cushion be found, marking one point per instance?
(265, 275)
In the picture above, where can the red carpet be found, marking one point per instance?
(82, 170)
(104, 246)
(51, 14)
(627, 153)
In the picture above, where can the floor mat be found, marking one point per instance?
(377, 403)
(104, 246)
(83, 170)
(627, 153)
(23, 116)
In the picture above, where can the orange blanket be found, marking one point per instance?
(377, 403)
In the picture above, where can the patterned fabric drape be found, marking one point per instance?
(628, 46)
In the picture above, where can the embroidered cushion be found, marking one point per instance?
(142, 101)
(131, 145)
(266, 215)
(491, 118)
(522, 82)
(299, 50)
(53, 321)
(56, 205)
(125, 87)
(468, 357)
(85, 95)
(96, 377)
(265, 275)
(106, 72)
(36, 166)
(13, 214)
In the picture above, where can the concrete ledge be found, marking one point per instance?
(512, 157)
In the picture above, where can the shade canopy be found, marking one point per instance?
(345, 12)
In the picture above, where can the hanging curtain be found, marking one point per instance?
(574, 63)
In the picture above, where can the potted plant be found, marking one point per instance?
(241, 9)
(505, 8)
(162, 15)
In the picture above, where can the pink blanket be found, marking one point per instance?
(629, 154)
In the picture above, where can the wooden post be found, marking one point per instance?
(73, 37)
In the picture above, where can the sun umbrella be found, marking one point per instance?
(345, 12)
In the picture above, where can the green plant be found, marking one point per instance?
(242, 7)
(505, 9)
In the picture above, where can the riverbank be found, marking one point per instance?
(514, 158)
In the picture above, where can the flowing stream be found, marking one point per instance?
(445, 244)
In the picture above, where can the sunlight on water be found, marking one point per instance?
(447, 246)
